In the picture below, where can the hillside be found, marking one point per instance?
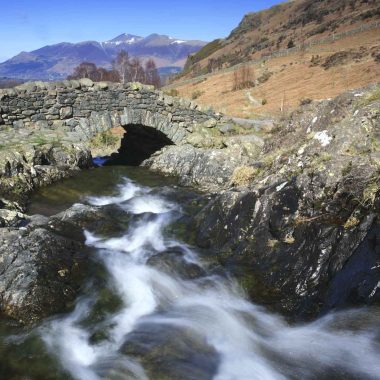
(296, 51)
(57, 61)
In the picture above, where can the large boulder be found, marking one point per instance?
(43, 265)
(209, 169)
(40, 273)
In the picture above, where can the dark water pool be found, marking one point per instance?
(98, 181)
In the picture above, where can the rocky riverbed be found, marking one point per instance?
(138, 299)
(296, 202)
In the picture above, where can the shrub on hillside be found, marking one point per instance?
(197, 94)
(315, 60)
(264, 77)
(291, 44)
(376, 57)
(341, 58)
(172, 92)
(305, 101)
(372, 13)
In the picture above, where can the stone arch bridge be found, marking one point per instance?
(77, 110)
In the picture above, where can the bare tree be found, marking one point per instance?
(89, 70)
(125, 69)
(122, 65)
(151, 74)
(108, 75)
(243, 78)
(85, 70)
(137, 71)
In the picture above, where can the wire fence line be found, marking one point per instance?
(280, 53)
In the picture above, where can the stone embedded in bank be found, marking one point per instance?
(86, 82)
(66, 112)
(210, 123)
(10, 218)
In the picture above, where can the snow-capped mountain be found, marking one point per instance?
(124, 38)
(57, 61)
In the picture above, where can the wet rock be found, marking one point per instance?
(31, 167)
(103, 221)
(294, 263)
(44, 265)
(37, 220)
(172, 352)
(174, 262)
(358, 280)
(40, 273)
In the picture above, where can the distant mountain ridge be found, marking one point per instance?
(58, 60)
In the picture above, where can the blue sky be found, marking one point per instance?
(29, 24)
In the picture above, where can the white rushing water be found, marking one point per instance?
(244, 341)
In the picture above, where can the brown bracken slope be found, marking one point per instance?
(299, 50)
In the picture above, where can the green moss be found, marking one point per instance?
(269, 158)
(371, 97)
(323, 157)
(370, 192)
(347, 169)
(106, 303)
(352, 221)
(39, 140)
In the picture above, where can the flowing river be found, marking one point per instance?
(157, 308)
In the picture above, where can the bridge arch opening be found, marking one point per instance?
(139, 142)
